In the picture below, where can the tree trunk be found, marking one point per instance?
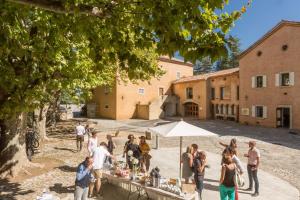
(12, 145)
(40, 123)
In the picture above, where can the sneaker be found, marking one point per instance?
(255, 194)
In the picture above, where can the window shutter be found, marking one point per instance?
(277, 80)
(292, 78)
(265, 112)
(253, 111)
(229, 110)
(264, 81)
(253, 82)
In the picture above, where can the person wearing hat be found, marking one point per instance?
(252, 167)
(145, 149)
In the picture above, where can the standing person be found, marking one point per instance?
(227, 184)
(194, 150)
(187, 163)
(83, 178)
(88, 130)
(199, 171)
(92, 143)
(110, 146)
(252, 167)
(126, 149)
(145, 149)
(232, 145)
(239, 168)
(99, 155)
(80, 131)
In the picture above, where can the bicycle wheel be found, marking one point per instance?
(35, 143)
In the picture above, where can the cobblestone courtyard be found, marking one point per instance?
(57, 159)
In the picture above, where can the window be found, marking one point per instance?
(222, 109)
(222, 91)
(141, 91)
(217, 109)
(232, 110)
(226, 109)
(285, 79)
(238, 93)
(161, 91)
(213, 93)
(259, 111)
(178, 75)
(189, 93)
(259, 81)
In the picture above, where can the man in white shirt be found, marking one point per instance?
(99, 155)
(80, 131)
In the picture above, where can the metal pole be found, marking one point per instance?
(157, 141)
(180, 152)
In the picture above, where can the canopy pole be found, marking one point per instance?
(180, 153)
(156, 141)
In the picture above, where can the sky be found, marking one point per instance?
(260, 17)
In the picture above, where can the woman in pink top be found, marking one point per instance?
(92, 143)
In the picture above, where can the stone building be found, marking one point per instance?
(211, 95)
(144, 100)
(264, 90)
(270, 78)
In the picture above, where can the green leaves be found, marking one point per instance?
(67, 46)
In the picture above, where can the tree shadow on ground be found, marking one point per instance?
(60, 189)
(66, 168)
(211, 180)
(276, 136)
(66, 149)
(211, 187)
(10, 190)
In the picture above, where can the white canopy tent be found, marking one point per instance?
(181, 129)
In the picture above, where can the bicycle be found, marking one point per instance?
(32, 142)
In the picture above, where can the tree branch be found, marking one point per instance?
(58, 6)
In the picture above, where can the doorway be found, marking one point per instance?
(191, 110)
(283, 117)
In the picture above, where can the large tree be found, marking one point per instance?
(53, 45)
(231, 59)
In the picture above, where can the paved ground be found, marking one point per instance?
(280, 150)
(58, 159)
(270, 185)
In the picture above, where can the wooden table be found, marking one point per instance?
(143, 190)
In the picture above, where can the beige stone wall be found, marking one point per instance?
(231, 83)
(123, 99)
(272, 60)
(199, 97)
(105, 102)
(142, 111)
(128, 96)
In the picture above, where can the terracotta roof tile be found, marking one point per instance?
(207, 75)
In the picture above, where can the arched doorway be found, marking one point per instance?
(191, 109)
